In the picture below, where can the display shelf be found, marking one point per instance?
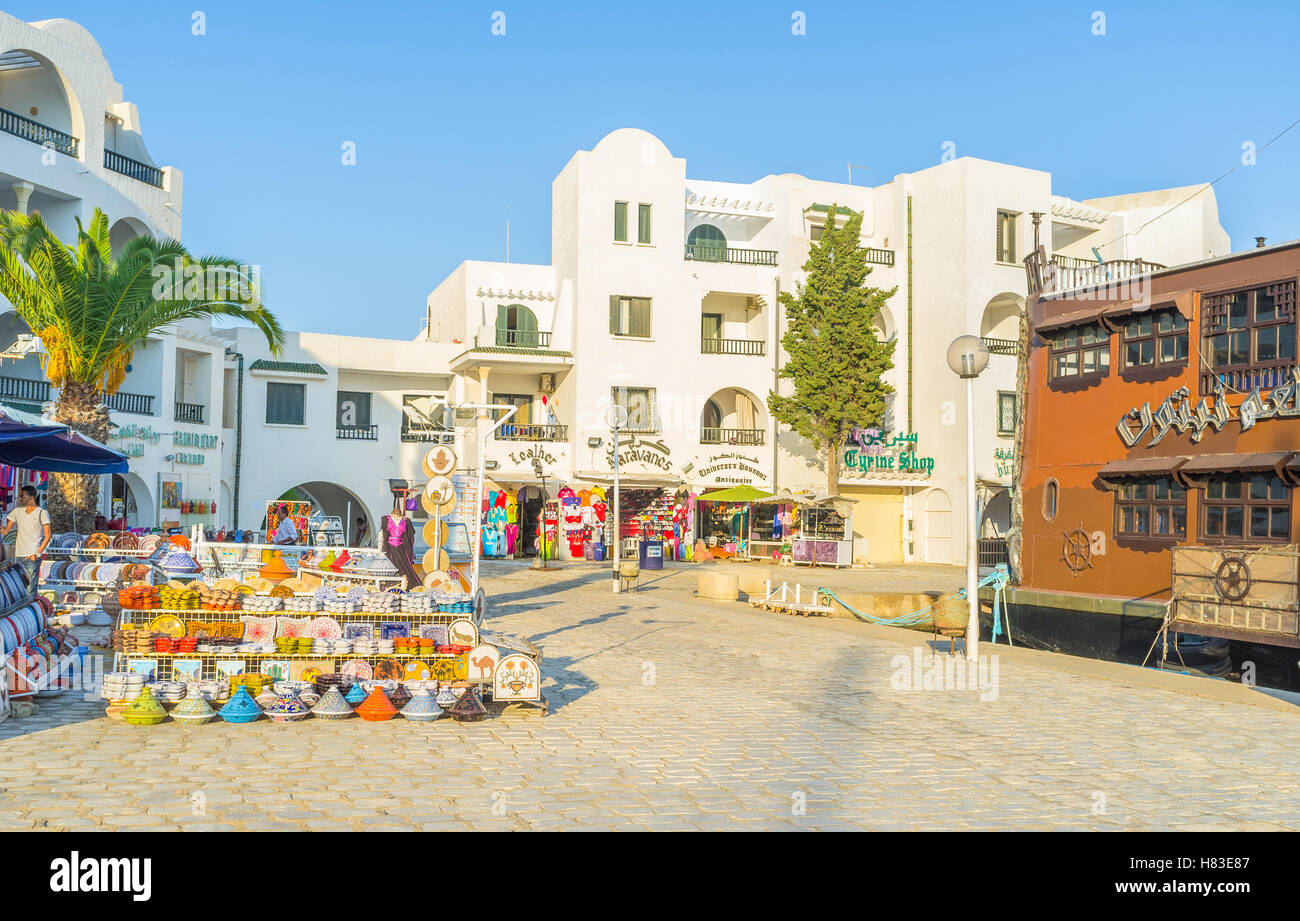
(97, 551)
(164, 663)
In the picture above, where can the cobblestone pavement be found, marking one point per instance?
(673, 713)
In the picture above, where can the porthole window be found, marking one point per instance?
(1051, 490)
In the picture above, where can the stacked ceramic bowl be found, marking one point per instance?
(217, 644)
(332, 647)
(373, 647)
(299, 604)
(264, 603)
(209, 689)
(381, 603)
(417, 603)
(342, 605)
(256, 648)
(168, 693)
(122, 686)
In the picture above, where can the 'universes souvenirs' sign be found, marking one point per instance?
(1176, 414)
(732, 467)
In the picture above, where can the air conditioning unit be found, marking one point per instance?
(548, 383)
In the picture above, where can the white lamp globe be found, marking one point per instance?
(968, 356)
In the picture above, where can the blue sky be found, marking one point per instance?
(452, 124)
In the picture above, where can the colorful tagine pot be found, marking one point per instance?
(422, 708)
(377, 707)
(332, 706)
(144, 710)
(266, 699)
(288, 708)
(241, 708)
(469, 709)
(446, 697)
(193, 710)
(355, 695)
(400, 696)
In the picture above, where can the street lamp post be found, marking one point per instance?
(968, 356)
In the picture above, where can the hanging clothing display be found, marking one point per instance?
(399, 546)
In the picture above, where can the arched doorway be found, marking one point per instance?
(125, 230)
(706, 243)
(331, 500)
(130, 499)
(1001, 318)
(517, 326)
(732, 416)
(996, 520)
(938, 527)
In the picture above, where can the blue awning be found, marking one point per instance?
(30, 442)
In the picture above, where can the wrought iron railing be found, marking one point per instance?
(115, 161)
(28, 130)
(715, 346)
(713, 252)
(527, 431)
(523, 339)
(721, 436)
(1001, 346)
(189, 412)
(358, 432)
(879, 256)
(436, 436)
(140, 404)
(21, 388)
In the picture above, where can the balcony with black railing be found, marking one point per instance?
(526, 431)
(145, 173)
(1001, 346)
(878, 256)
(20, 388)
(189, 412)
(723, 436)
(357, 433)
(420, 434)
(29, 130)
(139, 404)
(713, 252)
(523, 338)
(710, 345)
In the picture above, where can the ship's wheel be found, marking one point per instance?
(1077, 552)
(1232, 579)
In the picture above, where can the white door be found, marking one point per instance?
(938, 527)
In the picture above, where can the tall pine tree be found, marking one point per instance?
(833, 355)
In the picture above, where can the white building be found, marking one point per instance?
(70, 143)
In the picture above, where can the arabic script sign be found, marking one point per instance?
(1176, 413)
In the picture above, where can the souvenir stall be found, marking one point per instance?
(726, 519)
(300, 513)
(316, 645)
(654, 525)
(823, 535)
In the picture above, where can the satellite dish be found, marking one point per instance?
(616, 416)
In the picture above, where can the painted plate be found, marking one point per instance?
(415, 671)
(435, 632)
(324, 628)
(435, 561)
(440, 490)
(357, 668)
(169, 624)
(388, 670)
(439, 461)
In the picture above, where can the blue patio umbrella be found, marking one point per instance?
(28, 441)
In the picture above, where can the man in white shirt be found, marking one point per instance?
(33, 524)
(286, 532)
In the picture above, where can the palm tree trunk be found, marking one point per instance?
(73, 497)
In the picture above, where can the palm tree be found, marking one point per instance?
(91, 311)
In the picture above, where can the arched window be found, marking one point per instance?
(517, 326)
(707, 243)
(711, 418)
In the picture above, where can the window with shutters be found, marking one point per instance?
(640, 406)
(1006, 236)
(1249, 337)
(629, 316)
(643, 223)
(517, 327)
(1006, 412)
(353, 409)
(285, 403)
(620, 222)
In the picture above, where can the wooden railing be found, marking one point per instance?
(715, 346)
(189, 412)
(1067, 273)
(28, 130)
(151, 175)
(357, 432)
(140, 404)
(523, 339)
(720, 436)
(20, 388)
(713, 252)
(527, 431)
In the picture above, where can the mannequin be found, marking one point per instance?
(397, 536)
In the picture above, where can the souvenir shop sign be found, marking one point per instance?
(872, 451)
(145, 433)
(732, 467)
(1176, 413)
(540, 453)
(635, 450)
(194, 440)
(874, 441)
